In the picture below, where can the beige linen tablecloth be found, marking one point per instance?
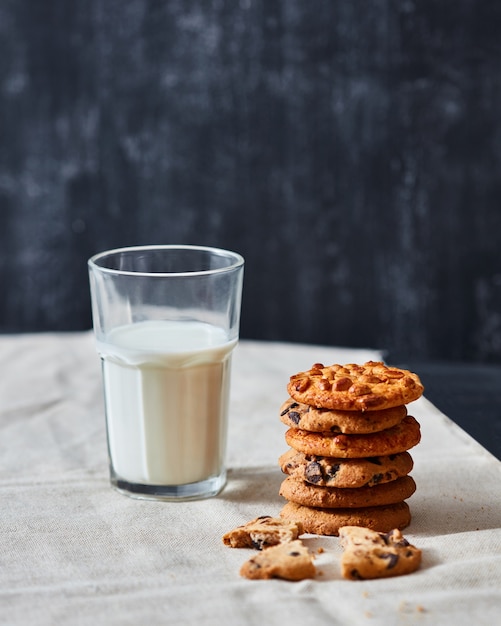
(73, 551)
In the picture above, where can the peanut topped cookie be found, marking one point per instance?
(368, 387)
(297, 415)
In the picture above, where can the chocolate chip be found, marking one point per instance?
(313, 472)
(292, 405)
(377, 478)
(335, 429)
(295, 417)
(355, 574)
(386, 537)
(392, 559)
(332, 470)
(294, 554)
(375, 459)
(258, 544)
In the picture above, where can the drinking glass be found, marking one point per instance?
(166, 321)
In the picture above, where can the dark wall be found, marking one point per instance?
(350, 150)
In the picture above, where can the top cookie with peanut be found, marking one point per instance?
(369, 387)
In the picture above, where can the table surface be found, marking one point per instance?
(470, 393)
(74, 551)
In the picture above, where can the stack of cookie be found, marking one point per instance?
(349, 436)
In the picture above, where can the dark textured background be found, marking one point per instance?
(350, 150)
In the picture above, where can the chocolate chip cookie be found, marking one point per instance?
(322, 521)
(297, 415)
(338, 472)
(262, 532)
(291, 560)
(370, 554)
(296, 490)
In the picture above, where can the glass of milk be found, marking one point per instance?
(166, 321)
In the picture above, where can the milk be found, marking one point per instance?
(166, 388)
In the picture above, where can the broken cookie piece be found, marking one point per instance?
(370, 554)
(290, 560)
(263, 532)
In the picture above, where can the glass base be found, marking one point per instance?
(171, 493)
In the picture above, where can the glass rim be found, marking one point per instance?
(238, 260)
